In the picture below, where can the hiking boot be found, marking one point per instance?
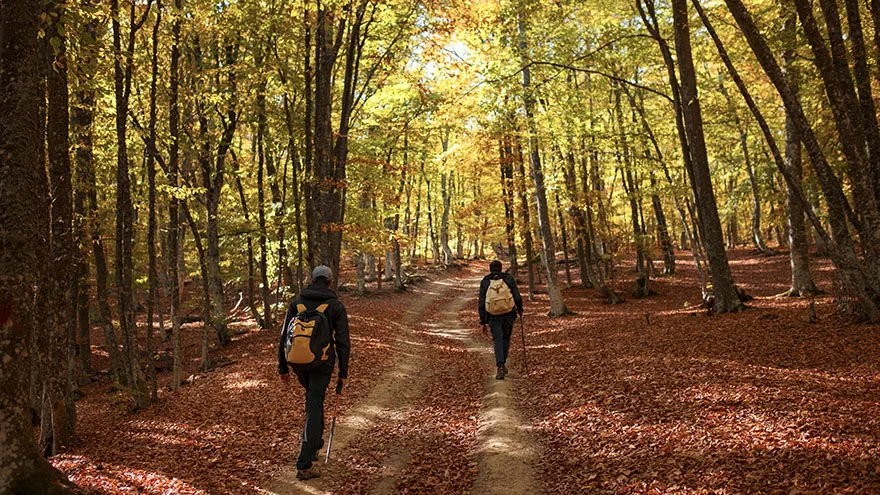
(307, 474)
(500, 374)
(504, 367)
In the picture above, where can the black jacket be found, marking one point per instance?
(484, 286)
(319, 293)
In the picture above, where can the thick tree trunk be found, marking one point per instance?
(323, 191)
(24, 220)
(557, 304)
(851, 129)
(359, 273)
(726, 298)
(801, 280)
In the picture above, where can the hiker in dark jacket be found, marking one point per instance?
(315, 381)
(500, 325)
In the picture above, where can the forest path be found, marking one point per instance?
(392, 424)
(401, 383)
(505, 452)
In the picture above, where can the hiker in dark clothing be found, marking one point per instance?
(315, 381)
(500, 302)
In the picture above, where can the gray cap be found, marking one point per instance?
(322, 271)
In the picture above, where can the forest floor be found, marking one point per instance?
(649, 396)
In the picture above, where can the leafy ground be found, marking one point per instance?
(655, 396)
(651, 396)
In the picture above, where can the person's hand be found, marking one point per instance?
(484, 328)
(285, 377)
(340, 384)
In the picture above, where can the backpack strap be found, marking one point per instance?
(301, 307)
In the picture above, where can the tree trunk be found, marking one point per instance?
(174, 237)
(24, 220)
(435, 244)
(564, 235)
(445, 196)
(506, 161)
(124, 209)
(747, 161)
(557, 304)
(801, 280)
(526, 219)
(206, 292)
(261, 215)
(61, 317)
(628, 183)
(726, 298)
(152, 300)
(251, 293)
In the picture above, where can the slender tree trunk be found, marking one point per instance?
(174, 237)
(445, 196)
(564, 236)
(264, 248)
(629, 184)
(557, 304)
(61, 316)
(435, 244)
(506, 161)
(747, 161)
(152, 300)
(526, 220)
(251, 293)
(206, 291)
(124, 209)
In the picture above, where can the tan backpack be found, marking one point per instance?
(499, 299)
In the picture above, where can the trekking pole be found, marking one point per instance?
(522, 328)
(333, 425)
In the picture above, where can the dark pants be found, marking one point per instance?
(315, 382)
(502, 328)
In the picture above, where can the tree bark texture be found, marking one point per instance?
(726, 298)
(24, 220)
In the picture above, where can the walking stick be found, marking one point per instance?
(523, 331)
(333, 425)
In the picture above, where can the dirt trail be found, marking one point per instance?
(405, 380)
(503, 452)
